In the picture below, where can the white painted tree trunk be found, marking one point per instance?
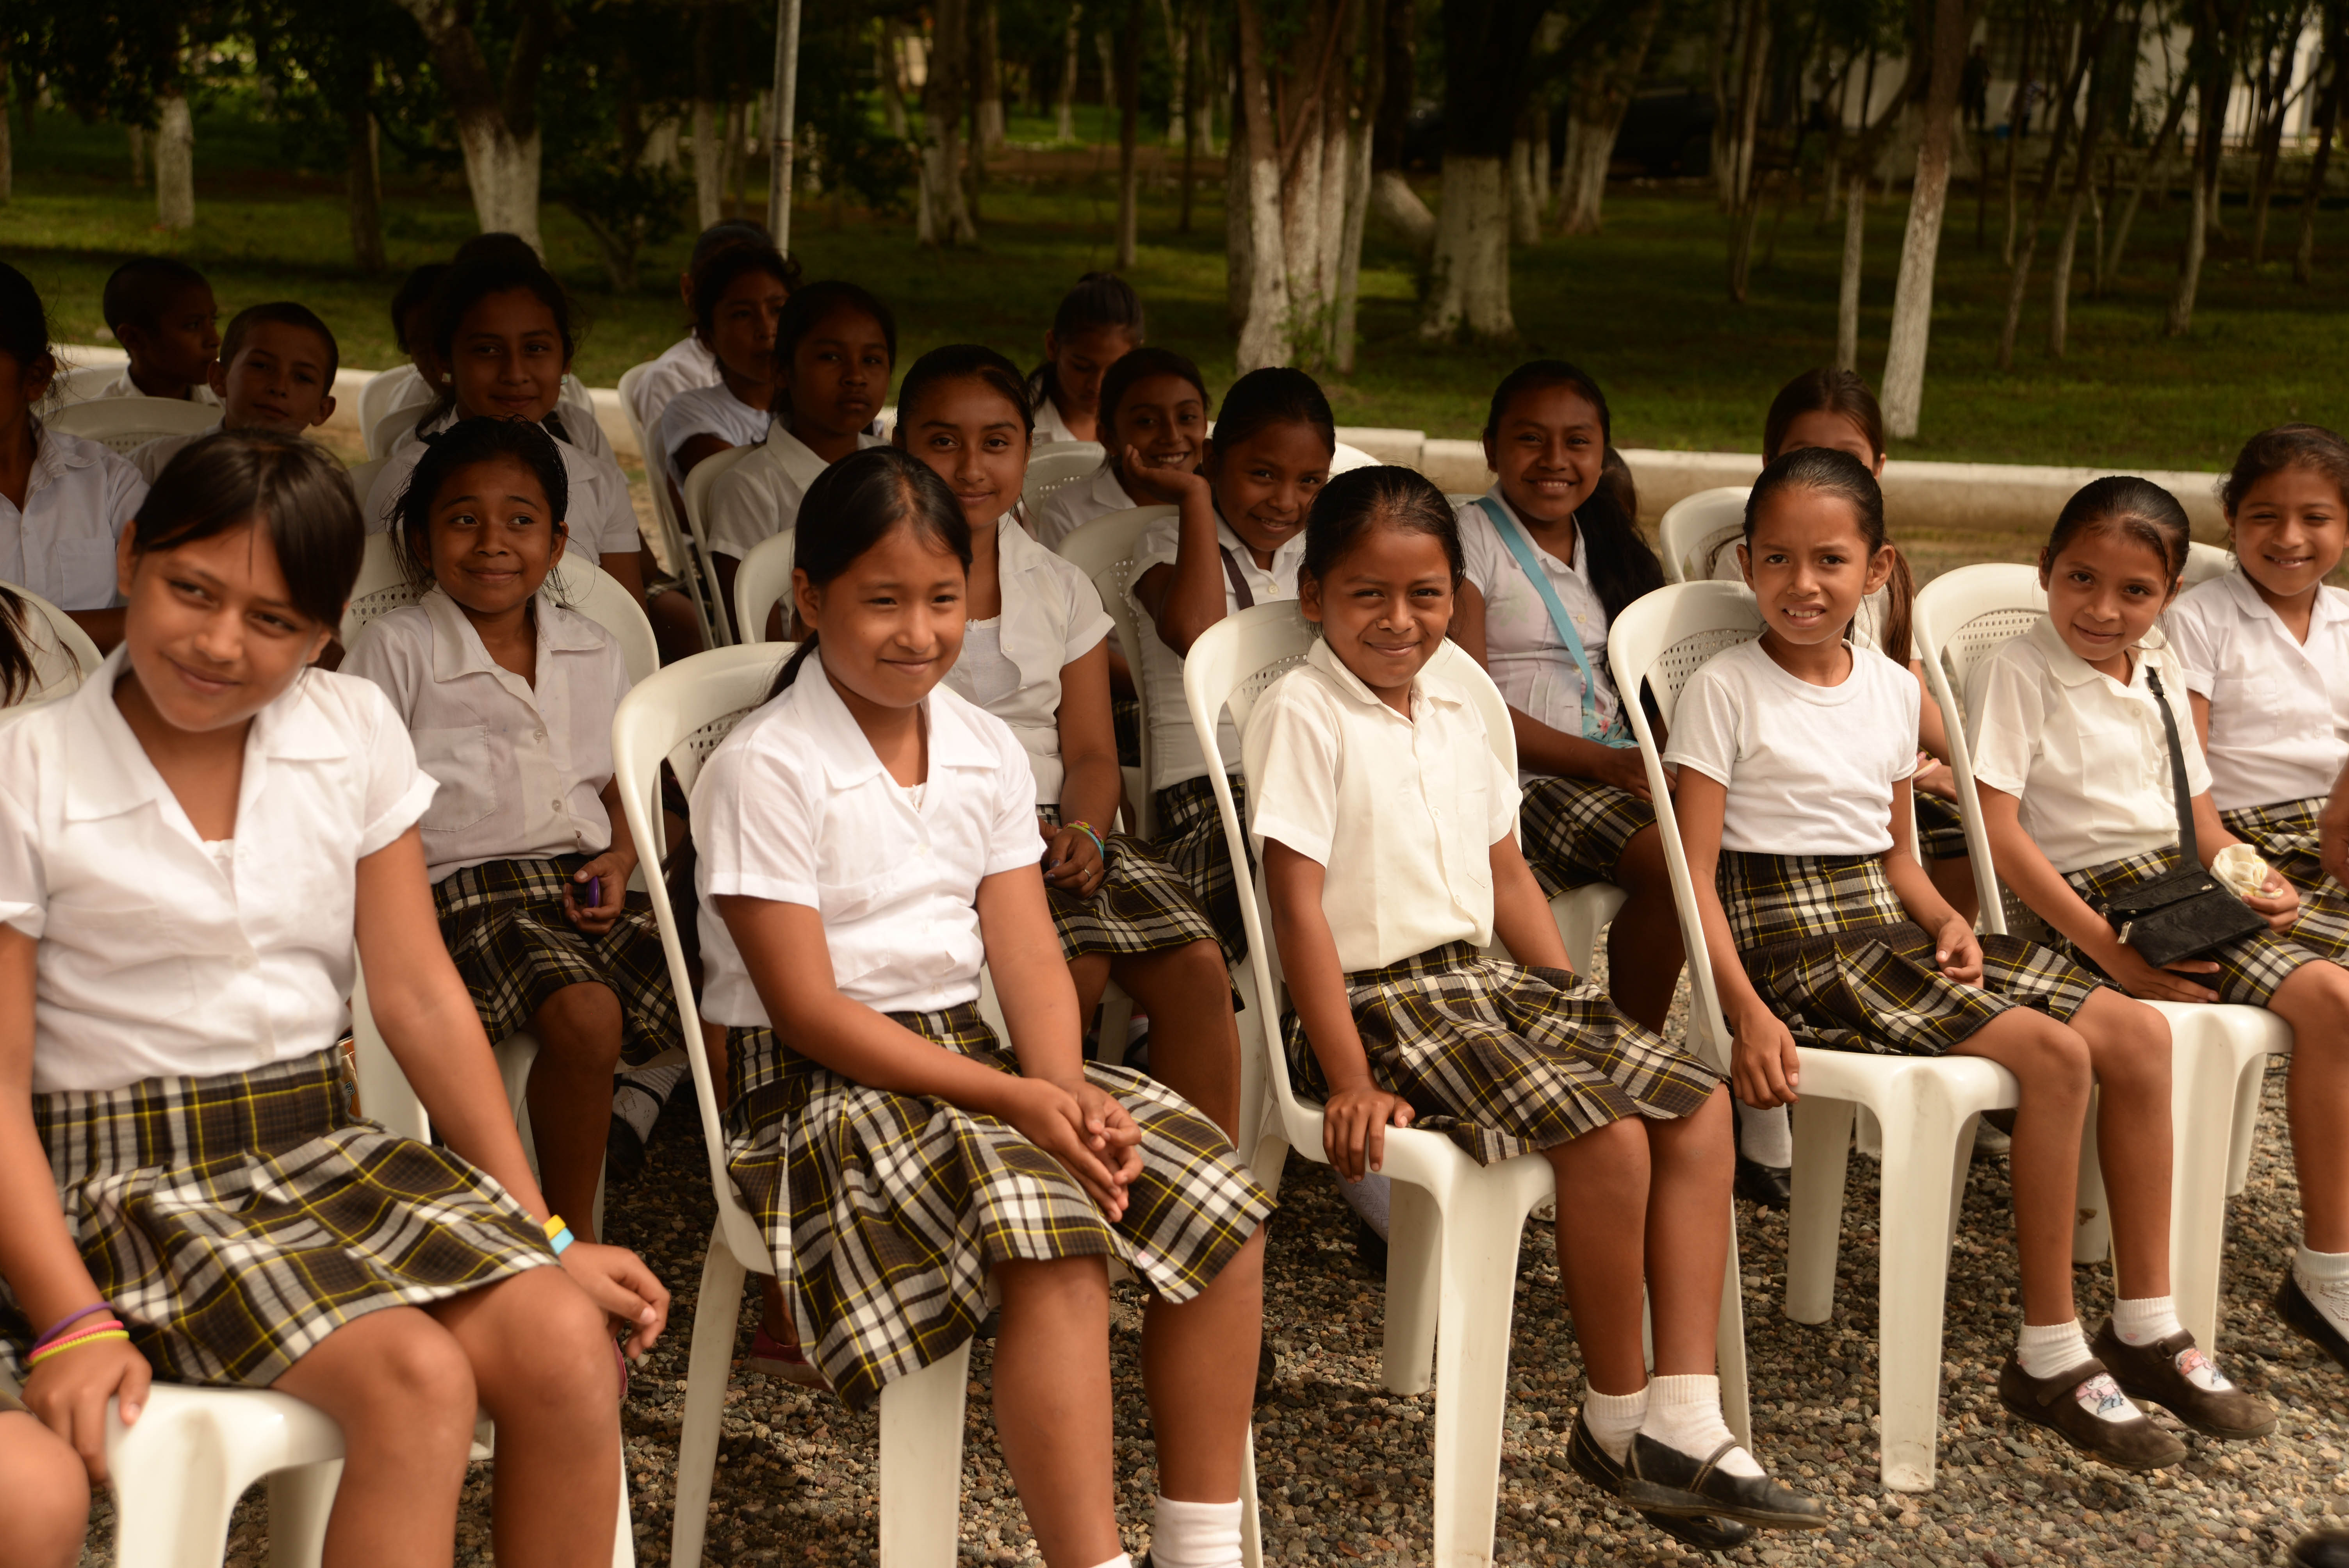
(175, 163)
(1903, 388)
(1178, 55)
(1065, 106)
(1392, 199)
(991, 78)
(1524, 196)
(1266, 313)
(138, 139)
(1855, 236)
(892, 78)
(1470, 287)
(1582, 173)
(1350, 245)
(8, 145)
(504, 173)
(708, 163)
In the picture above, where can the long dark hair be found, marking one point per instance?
(1616, 555)
(1839, 474)
(1823, 391)
(1099, 299)
(855, 504)
(1274, 396)
(474, 440)
(294, 489)
(963, 362)
(2310, 446)
(2130, 508)
(1360, 499)
(23, 323)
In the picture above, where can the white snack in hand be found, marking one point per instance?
(2241, 870)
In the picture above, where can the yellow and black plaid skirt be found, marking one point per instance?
(1505, 1059)
(2250, 968)
(885, 1210)
(235, 1221)
(1142, 906)
(1575, 830)
(1191, 839)
(504, 925)
(2285, 836)
(1829, 946)
(1940, 830)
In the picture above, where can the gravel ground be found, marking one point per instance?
(1343, 1467)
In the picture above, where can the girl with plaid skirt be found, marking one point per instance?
(868, 839)
(1234, 542)
(509, 696)
(1386, 825)
(2073, 761)
(189, 846)
(1796, 752)
(1035, 653)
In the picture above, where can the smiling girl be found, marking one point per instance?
(1796, 753)
(1153, 408)
(738, 296)
(2073, 764)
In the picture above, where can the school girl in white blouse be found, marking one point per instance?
(63, 499)
(1096, 324)
(188, 848)
(868, 839)
(737, 297)
(2073, 760)
(1386, 826)
(1234, 542)
(1796, 752)
(509, 697)
(1154, 415)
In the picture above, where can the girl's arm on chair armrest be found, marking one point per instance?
(1763, 1067)
(1358, 1112)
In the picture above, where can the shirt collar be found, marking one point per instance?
(2070, 669)
(1243, 553)
(1574, 566)
(55, 451)
(849, 759)
(1320, 656)
(2324, 611)
(107, 772)
(456, 645)
(1108, 491)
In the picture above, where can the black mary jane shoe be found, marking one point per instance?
(2321, 1549)
(1662, 1480)
(2309, 1321)
(1772, 1186)
(1597, 1466)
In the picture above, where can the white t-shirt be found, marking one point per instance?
(1809, 769)
(759, 496)
(1526, 657)
(1073, 506)
(1175, 754)
(681, 366)
(2085, 754)
(601, 521)
(1401, 814)
(795, 806)
(2279, 707)
(60, 545)
(156, 960)
(712, 410)
(522, 768)
(1051, 616)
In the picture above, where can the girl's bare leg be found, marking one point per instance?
(2051, 1064)
(2315, 1002)
(44, 1495)
(2128, 1048)
(1052, 1405)
(1195, 1041)
(1644, 952)
(1198, 1368)
(570, 1097)
(544, 1368)
(1601, 1260)
(1692, 1161)
(398, 1385)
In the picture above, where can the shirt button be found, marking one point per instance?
(555, 805)
(246, 960)
(538, 735)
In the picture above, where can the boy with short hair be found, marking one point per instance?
(275, 372)
(162, 313)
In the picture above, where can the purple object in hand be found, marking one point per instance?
(595, 899)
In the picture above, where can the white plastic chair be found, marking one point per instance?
(62, 653)
(383, 586)
(2218, 1052)
(388, 432)
(1928, 1107)
(1694, 527)
(362, 477)
(1455, 1224)
(698, 485)
(398, 388)
(1103, 551)
(680, 716)
(1055, 466)
(79, 382)
(762, 582)
(125, 424)
(684, 562)
(2204, 561)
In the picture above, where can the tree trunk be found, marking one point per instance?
(990, 77)
(137, 136)
(363, 184)
(497, 121)
(1855, 237)
(7, 144)
(175, 163)
(1178, 54)
(2328, 112)
(1524, 201)
(2014, 124)
(1360, 133)
(1263, 337)
(2050, 171)
(1912, 297)
(1542, 170)
(2083, 180)
(891, 73)
(1393, 200)
(1129, 131)
(2216, 80)
(2274, 106)
(1469, 289)
(1600, 96)
(1064, 105)
(944, 215)
(1192, 79)
(708, 163)
(2154, 167)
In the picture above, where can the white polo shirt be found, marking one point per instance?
(712, 410)
(681, 366)
(522, 768)
(2278, 707)
(1402, 813)
(1050, 426)
(1073, 506)
(151, 458)
(1526, 657)
(602, 519)
(795, 806)
(2085, 754)
(575, 403)
(759, 496)
(1175, 754)
(60, 543)
(123, 387)
(157, 958)
(1051, 616)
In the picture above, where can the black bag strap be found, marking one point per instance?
(2186, 844)
(1232, 575)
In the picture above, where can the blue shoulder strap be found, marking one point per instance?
(1615, 733)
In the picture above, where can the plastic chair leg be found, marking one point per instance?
(2092, 1223)
(1256, 1092)
(1867, 1136)
(300, 1502)
(1729, 1347)
(2246, 1129)
(705, 1396)
(1479, 1268)
(1912, 1271)
(1814, 1220)
(1251, 1523)
(1415, 1241)
(1581, 914)
(921, 1463)
(1961, 1166)
(2208, 1070)
(624, 1529)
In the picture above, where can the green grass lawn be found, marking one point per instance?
(1642, 306)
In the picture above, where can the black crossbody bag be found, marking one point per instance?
(2186, 913)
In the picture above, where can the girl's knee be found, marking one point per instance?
(48, 1487)
(414, 1369)
(1201, 964)
(555, 1351)
(2057, 1061)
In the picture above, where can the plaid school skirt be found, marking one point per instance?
(884, 1211)
(235, 1221)
(1829, 946)
(2250, 968)
(1505, 1059)
(1941, 831)
(504, 925)
(1191, 839)
(1125, 720)
(1575, 830)
(1142, 906)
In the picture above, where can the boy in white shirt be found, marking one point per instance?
(161, 311)
(275, 372)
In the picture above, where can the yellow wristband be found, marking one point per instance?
(553, 1223)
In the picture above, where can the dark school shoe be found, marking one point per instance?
(2306, 1318)
(2149, 1374)
(1597, 1466)
(2321, 1549)
(1662, 1480)
(624, 1151)
(1772, 1186)
(2135, 1444)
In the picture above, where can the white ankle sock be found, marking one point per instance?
(1369, 1198)
(1613, 1419)
(2146, 1319)
(1767, 1137)
(2323, 1278)
(1120, 1561)
(1196, 1534)
(1684, 1415)
(2050, 1350)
